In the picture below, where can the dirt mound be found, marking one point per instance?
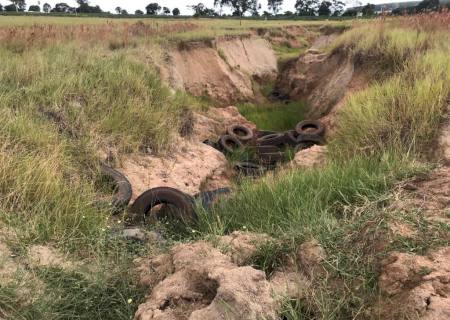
(222, 70)
(191, 166)
(199, 281)
(319, 78)
(187, 167)
(45, 256)
(416, 286)
(241, 246)
(214, 123)
(206, 284)
(430, 194)
(315, 156)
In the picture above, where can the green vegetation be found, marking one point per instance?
(78, 88)
(274, 116)
(384, 130)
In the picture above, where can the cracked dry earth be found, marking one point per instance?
(415, 286)
(198, 281)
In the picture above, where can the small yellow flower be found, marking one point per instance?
(130, 301)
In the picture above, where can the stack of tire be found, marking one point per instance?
(269, 145)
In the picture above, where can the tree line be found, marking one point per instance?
(238, 8)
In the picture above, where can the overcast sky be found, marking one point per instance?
(133, 5)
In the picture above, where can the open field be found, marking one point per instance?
(71, 90)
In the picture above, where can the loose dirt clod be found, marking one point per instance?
(315, 156)
(241, 246)
(214, 123)
(45, 256)
(205, 284)
(187, 168)
(416, 286)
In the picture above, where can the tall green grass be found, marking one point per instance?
(383, 131)
(402, 113)
(308, 203)
(276, 116)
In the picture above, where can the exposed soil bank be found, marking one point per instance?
(321, 79)
(223, 69)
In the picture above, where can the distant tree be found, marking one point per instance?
(368, 9)
(124, 12)
(240, 7)
(118, 10)
(166, 10)
(84, 7)
(306, 7)
(34, 8)
(176, 12)
(20, 5)
(428, 5)
(254, 10)
(153, 8)
(337, 7)
(200, 10)
(10, 8)
(61, 8)
(266, 14)
(1, 7)
(288, 13)
(324, 8)
(139, 12)
(274, 5)
(46, 7)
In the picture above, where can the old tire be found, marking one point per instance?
(266, 149)
(310, 127)
(263, 133)
(209, 198)
(291, 138)
(271, 157)
(212, 144)
(165, 195)
(303, 146)
(122, 196)
(249, 169)
(311, 139)
(275, 139)
(229, 143)
(243, 133)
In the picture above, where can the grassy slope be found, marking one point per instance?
(51, 91)
(383, 131)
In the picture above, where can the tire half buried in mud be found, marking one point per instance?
(183, 203)
(124, 191)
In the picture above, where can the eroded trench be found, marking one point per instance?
(198, 281)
